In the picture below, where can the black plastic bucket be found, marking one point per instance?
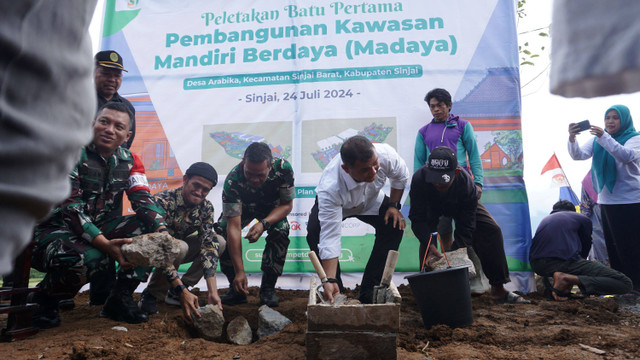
(443, 297)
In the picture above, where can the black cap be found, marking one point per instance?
(205, 170)
(110, 59)
(441, 166)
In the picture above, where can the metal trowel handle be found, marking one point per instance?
(316, 264)
(389, 268)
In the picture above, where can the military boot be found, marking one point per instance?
(47, 315)
(268, 290)
(120, 306)
(101, 284)
(66, 304)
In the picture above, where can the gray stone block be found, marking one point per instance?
(155, 249)
(270, 321)
(369, 317)
(239, 331)
(350, 345)
(209, 326)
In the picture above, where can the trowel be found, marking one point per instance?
(380, 292)
(321, 274)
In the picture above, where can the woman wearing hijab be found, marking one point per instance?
(615, 172)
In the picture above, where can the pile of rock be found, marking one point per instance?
(210, 325)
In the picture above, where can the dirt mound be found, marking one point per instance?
(541, 330)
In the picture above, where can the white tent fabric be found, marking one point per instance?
(594, 48)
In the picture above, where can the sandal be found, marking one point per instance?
(513, 298)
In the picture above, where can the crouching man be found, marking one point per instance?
(559, 250)
(443, 188)
(189, 216)
(84, 234)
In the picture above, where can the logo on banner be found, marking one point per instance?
(346, 255)
(295, 226)
(125, 5)
(350, 225)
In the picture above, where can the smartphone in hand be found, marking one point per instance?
(583, 125)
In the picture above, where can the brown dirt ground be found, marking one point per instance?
(542, 330)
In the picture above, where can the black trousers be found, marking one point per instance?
(488, 244)
(387, 238)
(595, 278)
(621, 227)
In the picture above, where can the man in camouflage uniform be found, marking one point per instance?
(261, 188)
(187, 211)
(82, 235)
(107, 78)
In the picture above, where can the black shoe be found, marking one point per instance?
(100, 286)
(148, 303)
(268, 297)
(47, 315)
(231, 297)
(46, 320)
(120, 307)
(66, 304)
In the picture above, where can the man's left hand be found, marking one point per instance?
(395, 215)
(214, 299)
(189, 305)
(479, 189)
(254, 233)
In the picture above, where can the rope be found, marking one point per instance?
(438, 238)
(424, 260)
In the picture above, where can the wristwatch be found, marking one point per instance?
(178, 289)
(265, 224)
(396, 205)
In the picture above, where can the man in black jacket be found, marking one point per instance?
(441, 187)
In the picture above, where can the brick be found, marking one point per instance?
(383, 318)
(351, 345)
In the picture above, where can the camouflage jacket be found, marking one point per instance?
(183, 220)
(241, 199)
(97, 185)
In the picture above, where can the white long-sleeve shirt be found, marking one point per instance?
(339, 196)
(627, 156)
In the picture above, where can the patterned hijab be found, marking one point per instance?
(603, 166)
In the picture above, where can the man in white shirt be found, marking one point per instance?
(351, 186)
